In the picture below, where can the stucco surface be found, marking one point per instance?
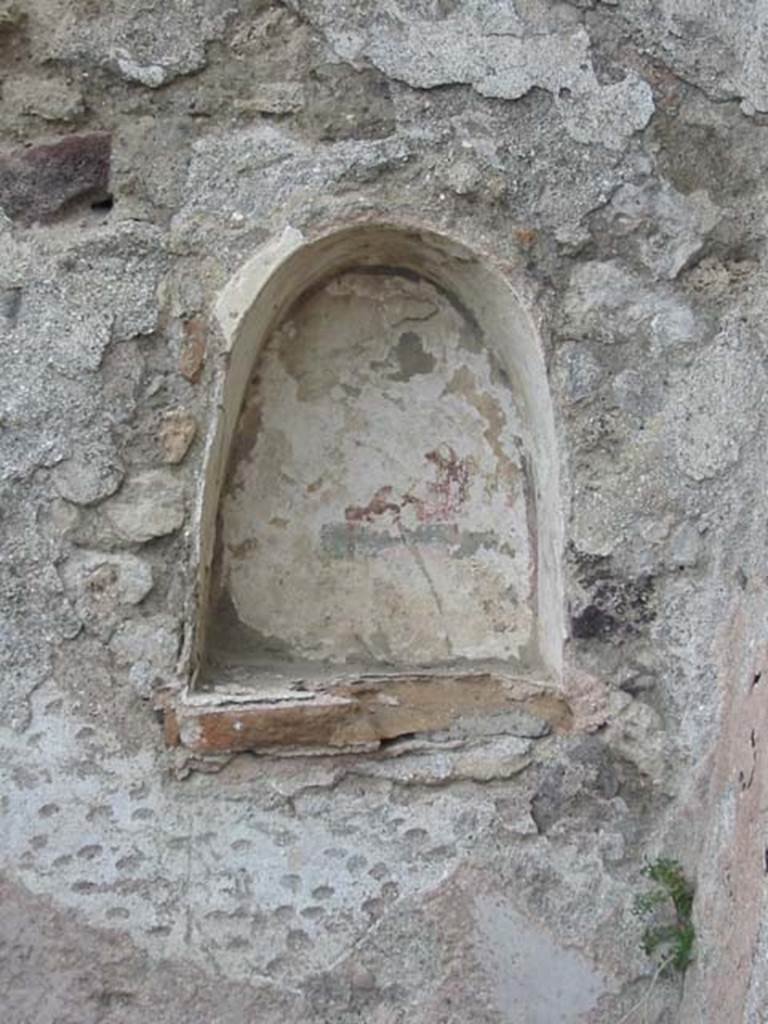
(609, 159)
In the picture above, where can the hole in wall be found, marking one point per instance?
(103, 205)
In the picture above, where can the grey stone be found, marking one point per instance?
(344, 102)
(150, 504)
(712, 412)
(88, 477)
(578, 371)
(103, 585)
(635, 393)
(147, 648)
(712, 33)
(604, 302)
(151, 46)
(672, 324)
(685, 546)
(680, 224)
(464, 177)
(636, 732)
(52, 99)
(254, 171)
(177, 432)
(516, 722)
(499, 757)
(608, 302)
(273, 98)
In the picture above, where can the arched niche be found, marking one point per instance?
(380, 498)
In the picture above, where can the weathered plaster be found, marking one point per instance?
(589, 178)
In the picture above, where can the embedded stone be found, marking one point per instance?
(148, 649)
(578, 372)
(709, 422)
(151, 75)
(685, 546)
(37, 183)
(52, 99)
(635, 731)
(150, 505)
(518, 722)
(464, 177)
(88, 478)
(348, 103)
(109, 578)
(176, 434)
(681, 224)
(501, 758)
(605, 302)
(103, 586)
(273, 98)
(151, 43)
(192, 354)
(497, 758)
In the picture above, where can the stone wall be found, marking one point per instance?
(608, 158)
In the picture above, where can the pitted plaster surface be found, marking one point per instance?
(266, 876)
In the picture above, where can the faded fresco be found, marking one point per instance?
(377, 506)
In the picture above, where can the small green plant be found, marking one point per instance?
(668, 905)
